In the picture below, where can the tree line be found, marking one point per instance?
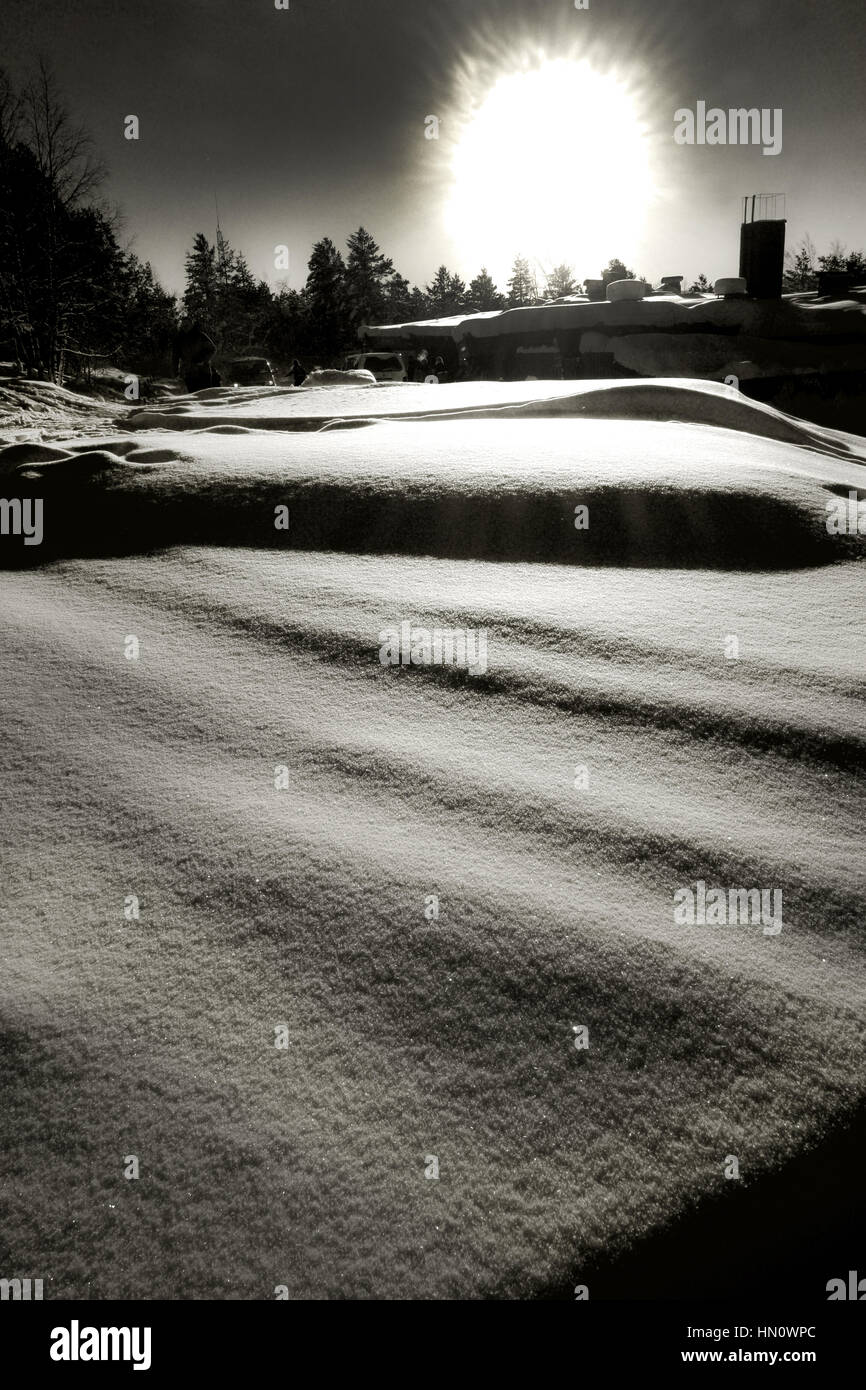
(66, 283)
(803, 265)
(342, 292)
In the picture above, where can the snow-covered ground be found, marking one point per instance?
(301, 408)
(429, 877)
(30, 410)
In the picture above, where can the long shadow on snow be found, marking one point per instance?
(781, 1237)
(111, 513)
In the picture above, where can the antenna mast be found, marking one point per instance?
(220, 259)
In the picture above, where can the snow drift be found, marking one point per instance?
(228, 823)
(681, 474)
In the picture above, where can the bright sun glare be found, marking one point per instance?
(554, 165)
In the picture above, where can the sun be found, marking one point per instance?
(553, 164)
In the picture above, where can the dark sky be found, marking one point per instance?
(308, 122)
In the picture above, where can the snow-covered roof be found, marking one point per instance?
(426, 328)
(791, 316)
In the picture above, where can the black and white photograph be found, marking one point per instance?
(433, 654)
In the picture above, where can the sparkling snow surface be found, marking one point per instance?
(411, 1037)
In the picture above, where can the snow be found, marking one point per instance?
(792, 316)
(27, 408)
(433, 328)
(691, 401)
(329, 377)
(475, 486)
(410, 1037)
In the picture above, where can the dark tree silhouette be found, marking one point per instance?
(368, 275)
(700, 286)
(326, 303)
(616, 270)
(483, 294)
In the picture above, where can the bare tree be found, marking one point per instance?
(561, 282)
(10, 112)
(64, 151)
(65, 173)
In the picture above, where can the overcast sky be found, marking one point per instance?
(307, 122)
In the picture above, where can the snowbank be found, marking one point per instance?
(688, 401)
(330, 377)
(657, 492)
(30, 408)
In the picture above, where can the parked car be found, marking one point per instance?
(385, 366)
(249, 371)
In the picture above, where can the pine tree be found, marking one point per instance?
(437, 292)
(483, 294)
(222, 294)
(521, 286)
(700, 286)
(325, 301)
(368, 273)
(800, 273)
(200, 298)
(446, 294)
(836, 259)
(225, 262)
(398, 299)
(287, 328)
(256, 303)
(801, 270)
(456, 294)
(419, 305)
(857, 266)
(90, 260)
(148, 315)
(241, 303)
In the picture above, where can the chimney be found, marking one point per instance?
(762, 246)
